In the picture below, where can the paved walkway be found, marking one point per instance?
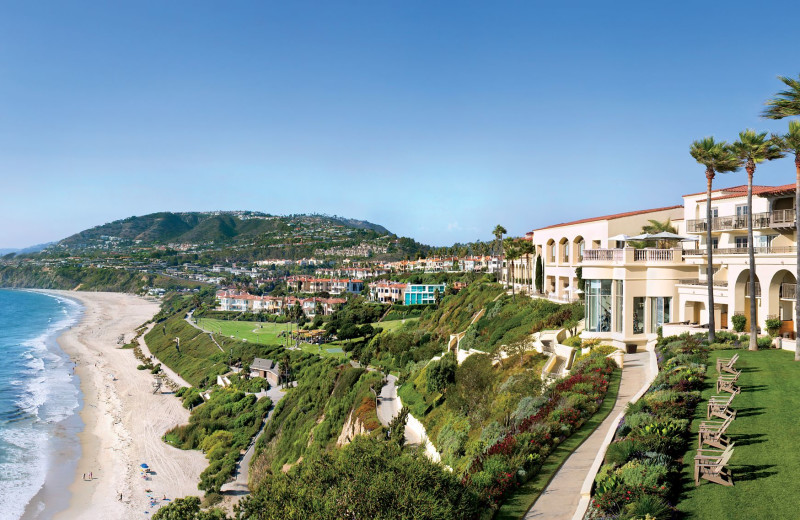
(560, 499)
(238, 486)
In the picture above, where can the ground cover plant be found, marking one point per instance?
(522, 447)
(309, 419)
(221, 428)
(640, 469)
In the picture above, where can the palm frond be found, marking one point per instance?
(786, 102)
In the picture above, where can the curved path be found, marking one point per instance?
(562, 496)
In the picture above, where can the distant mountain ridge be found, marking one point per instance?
(204, 227)
(24, 250)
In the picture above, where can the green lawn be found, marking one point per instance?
(521, 501)
(391, 326)
(264, 333)
(766, 460)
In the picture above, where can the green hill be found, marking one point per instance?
(219, 227)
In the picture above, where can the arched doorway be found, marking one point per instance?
(782, 291)
(742, 297)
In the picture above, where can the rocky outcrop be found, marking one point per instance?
(352, 427)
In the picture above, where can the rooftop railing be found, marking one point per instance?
(768, 250)
(602, 255)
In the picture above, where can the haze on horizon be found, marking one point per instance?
(435, 121)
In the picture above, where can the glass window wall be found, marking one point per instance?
(638, 315)
(598, 305)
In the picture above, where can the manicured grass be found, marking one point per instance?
(766, 460)
(264, 333)
(325, 350)
(521, 501)
(391, 326)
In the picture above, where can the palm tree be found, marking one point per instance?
(716, 157)
(655, 227)
(527, 250)
(751, 149)
(787, 102)
(512, 252)
(790, 143)
(498, 233)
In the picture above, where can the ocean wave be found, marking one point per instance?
(24, 466)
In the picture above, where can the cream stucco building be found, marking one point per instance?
(630, 292)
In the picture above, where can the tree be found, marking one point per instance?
(437, 297)
(512, 252)
(654, 227)
(397, 427)
(751, 149)
(517, 348)
(441, 373)
(527, 250)
(790, 143)
(716, 157)
(187, 509)
(787, 102)
(498, 233)
(539, 274)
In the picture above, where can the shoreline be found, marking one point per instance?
(123, 421)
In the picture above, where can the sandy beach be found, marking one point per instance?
(123, 419)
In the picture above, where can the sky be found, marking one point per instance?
(438, 120)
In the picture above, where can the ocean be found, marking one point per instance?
(39, 401)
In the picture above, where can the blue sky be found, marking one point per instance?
(436, 119)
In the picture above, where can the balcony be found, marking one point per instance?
(602, 255)
(729, 223)
(769, 250)
(630, 255)
(782, 219)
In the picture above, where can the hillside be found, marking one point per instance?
(205, 227)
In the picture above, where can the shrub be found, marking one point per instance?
(572, 341)
(773, 325)
(739, 321)
(621, 451)
(764, 343)
(650, 507)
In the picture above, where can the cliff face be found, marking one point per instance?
(352, 427)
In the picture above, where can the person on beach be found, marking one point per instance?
(84, 476)
(90, 476)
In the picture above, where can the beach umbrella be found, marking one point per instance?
(622, 237)
(144, 466)
(666, 235)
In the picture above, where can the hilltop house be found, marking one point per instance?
(417, 294)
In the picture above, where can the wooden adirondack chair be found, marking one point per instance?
(719, 406)
(725, 385)
(710, 465)
(712, 433)
(724, 382)
(726, 365)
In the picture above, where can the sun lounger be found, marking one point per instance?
(710, 465)
(719, 406)
(712, 433)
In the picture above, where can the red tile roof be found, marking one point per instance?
(757, 190)
(610, 217)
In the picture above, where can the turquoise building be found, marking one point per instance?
(417, 294)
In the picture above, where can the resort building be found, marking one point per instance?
(423, 294)
(630, 292)
(245, 302)
(310, 284)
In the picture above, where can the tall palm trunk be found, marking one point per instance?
(797, 273)
(751, 252)
(710, 277)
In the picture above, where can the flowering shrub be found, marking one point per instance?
(564, 408)
(640, 466)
